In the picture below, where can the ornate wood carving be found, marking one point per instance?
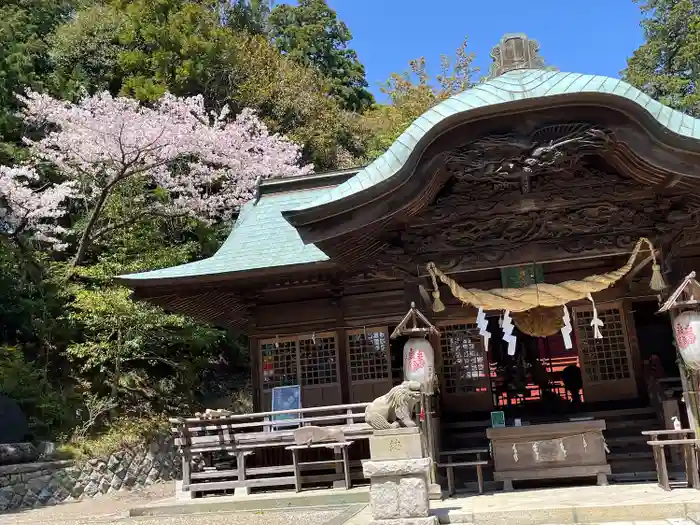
(514, 199)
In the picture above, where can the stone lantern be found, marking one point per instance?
(419, 365)
(683, 306)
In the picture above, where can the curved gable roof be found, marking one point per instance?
(260, 238)
(509, 87)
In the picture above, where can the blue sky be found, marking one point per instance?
(583, 36)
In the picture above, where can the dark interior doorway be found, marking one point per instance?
(655, 336)
(396, 357)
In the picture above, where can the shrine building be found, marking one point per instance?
(533, 176)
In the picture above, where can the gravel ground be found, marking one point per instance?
(111, 509)
(233, 518)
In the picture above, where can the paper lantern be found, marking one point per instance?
(687, 329)
(419, 361)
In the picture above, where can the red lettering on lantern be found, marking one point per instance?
(685, 335)
(416, 359)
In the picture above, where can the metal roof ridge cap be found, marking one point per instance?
(307, 182)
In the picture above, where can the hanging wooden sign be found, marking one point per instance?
(522, 276)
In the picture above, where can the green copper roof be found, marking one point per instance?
(261, 238)
(511, 86)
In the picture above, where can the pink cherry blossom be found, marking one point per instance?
(208, 164)
(25, 209)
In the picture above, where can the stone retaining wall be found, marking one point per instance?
(35, 484)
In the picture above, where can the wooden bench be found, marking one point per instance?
(240, 436)
(688, 445)
(336, 446)
(450, 464)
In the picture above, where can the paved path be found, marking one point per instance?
(112, 510)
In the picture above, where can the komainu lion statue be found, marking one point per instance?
(394, 408)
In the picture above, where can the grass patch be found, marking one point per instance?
(120, 435)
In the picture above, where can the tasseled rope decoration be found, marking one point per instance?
(542, 294)
(438, 305)
(657, 282)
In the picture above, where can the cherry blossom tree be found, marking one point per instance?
(189, 161)
(25, 209)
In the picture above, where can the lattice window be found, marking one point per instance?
(604, 359)
(368, 355)
(464, 361)
(279, 363)
(318, 359)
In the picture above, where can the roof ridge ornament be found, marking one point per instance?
(515, 51)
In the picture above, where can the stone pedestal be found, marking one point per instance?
(399, 478)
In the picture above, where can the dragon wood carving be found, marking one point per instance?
(548, 194)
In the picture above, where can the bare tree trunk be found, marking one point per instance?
(86, 237)
(117, 375)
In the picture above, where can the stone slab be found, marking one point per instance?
(428, 520)
(258, 501)
(401, 431)
(397, 467)
(395, 445)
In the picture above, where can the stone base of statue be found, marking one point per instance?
(399, 478)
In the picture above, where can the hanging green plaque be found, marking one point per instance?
(521, 276)
(498, 419)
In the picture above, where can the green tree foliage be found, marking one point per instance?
(667, 65)
(142, 48)
(24, 61)
(132, 352)
(31, 334)
(311, 34)
(248, 15)
(412, 93)
(76, 355)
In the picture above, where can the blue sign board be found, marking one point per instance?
(286, 398)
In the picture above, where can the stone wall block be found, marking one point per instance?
(78, 489)
(116, 483)
(36, 484)
(91, 489)
(384, 498)
(113, 463)
(413, 496)
(105, 485)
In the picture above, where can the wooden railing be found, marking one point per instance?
(211, 444)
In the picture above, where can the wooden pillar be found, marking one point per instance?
(341, 334)
(255, 372)
(635, 357)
